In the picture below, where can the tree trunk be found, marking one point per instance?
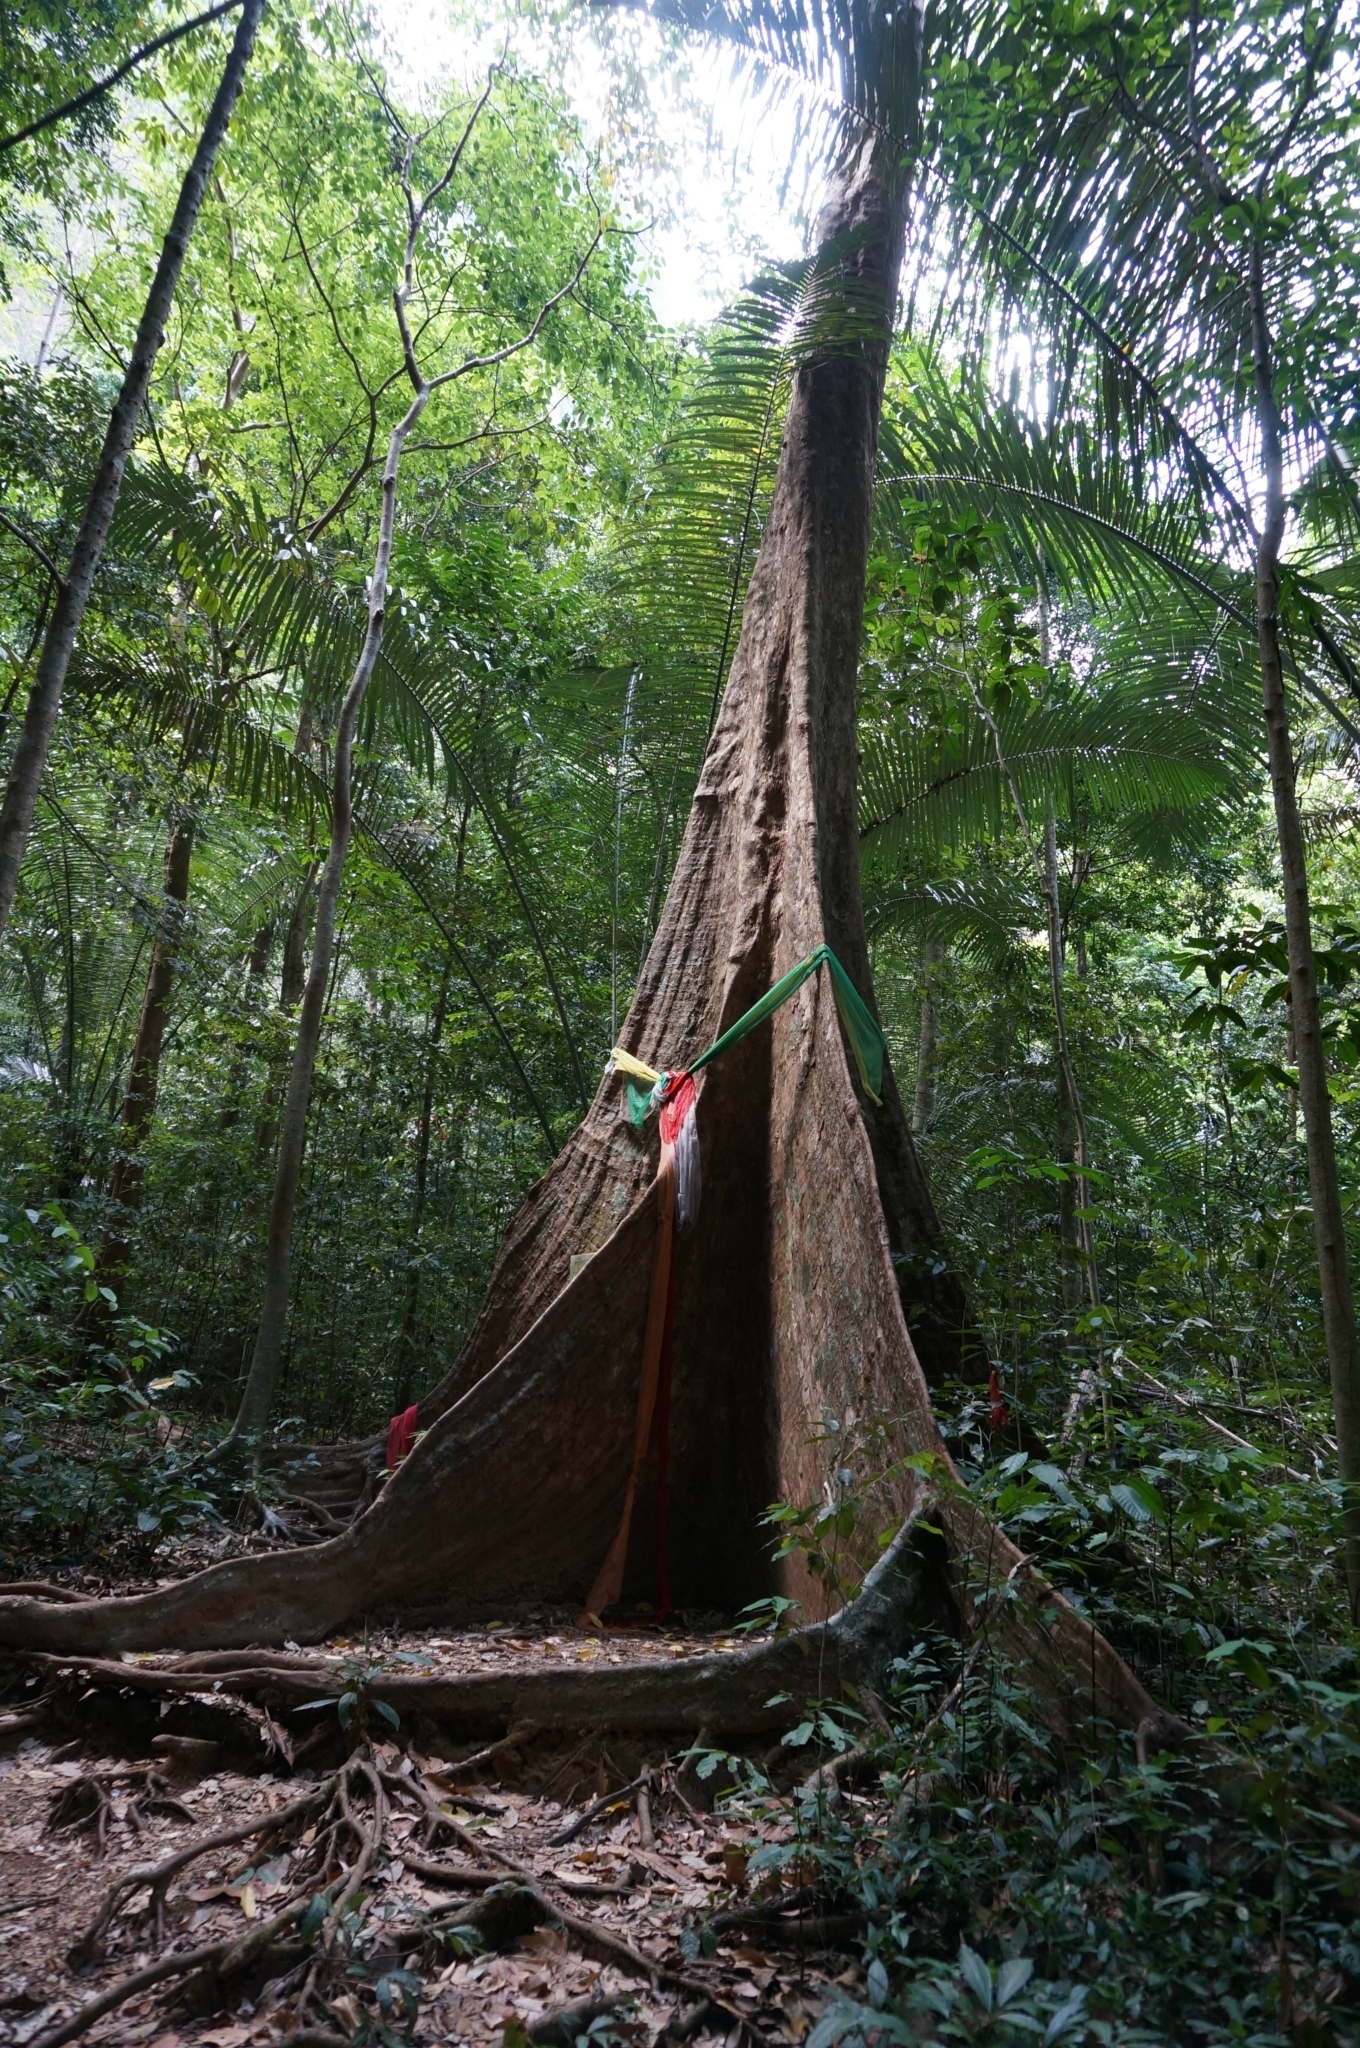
(789, 1312)
(292, 981)
(293, 974)
(139, 1104)
(256, 961)
(401, 1392)
(1324, 1187)
(258, 1393)
(1069, 1236)
(923, 1099)
(40, 717)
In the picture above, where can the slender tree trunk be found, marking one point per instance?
(264, 1365)
(292, 981)
(256, 961)
(923, 1099)
(401, 1392)
(1324, 1186)
(139, 1103)
(40, 717)
(224, 1350)
(1069, 1233)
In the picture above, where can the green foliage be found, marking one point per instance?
(1007, 1895)
(84, 1456)
(354, 1703)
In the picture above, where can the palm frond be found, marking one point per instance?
(418, 857)
(1130, 748)
(980, 916)
(1078, 518)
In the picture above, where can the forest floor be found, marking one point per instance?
(661, 1875)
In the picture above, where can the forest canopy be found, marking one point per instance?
(386, 583)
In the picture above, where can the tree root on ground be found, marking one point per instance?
(340, 1834)
(732, 1696)
(86, 1803)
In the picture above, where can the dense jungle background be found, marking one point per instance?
(1070, 846)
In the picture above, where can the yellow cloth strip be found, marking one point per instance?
(626, 1064)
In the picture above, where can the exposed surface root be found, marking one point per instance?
(735, 1694)
(319, 1906)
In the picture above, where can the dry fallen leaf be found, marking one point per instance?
(795, 2016)
(545, 1941)
(248, 1902)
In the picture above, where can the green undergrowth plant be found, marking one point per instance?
(94, 1455)
(1179, 1546)
(1007, 1891)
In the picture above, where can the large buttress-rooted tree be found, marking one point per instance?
(795, 1284)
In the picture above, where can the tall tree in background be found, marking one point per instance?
(139, 1101)
(414, 306)
(1174, 190)
(44, 697)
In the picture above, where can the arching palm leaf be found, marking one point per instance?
(1128, 748)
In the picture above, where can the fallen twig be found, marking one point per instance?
(449, 1873)
(592, 1937)
(646, 1837)
(156, 1876)
(31, 1717)
(222, 1958)
(583, 1820)
(564, 2024)
(1148, 1383)
(520, 1733)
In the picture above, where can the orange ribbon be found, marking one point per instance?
(660, 1310)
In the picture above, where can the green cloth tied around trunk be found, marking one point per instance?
(866, 1040)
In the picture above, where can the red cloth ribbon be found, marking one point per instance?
(677, 1100)
(1000, 1417)
(400, 1430)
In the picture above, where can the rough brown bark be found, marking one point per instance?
(789, 1309)
(44, 699)
(761, 1688)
